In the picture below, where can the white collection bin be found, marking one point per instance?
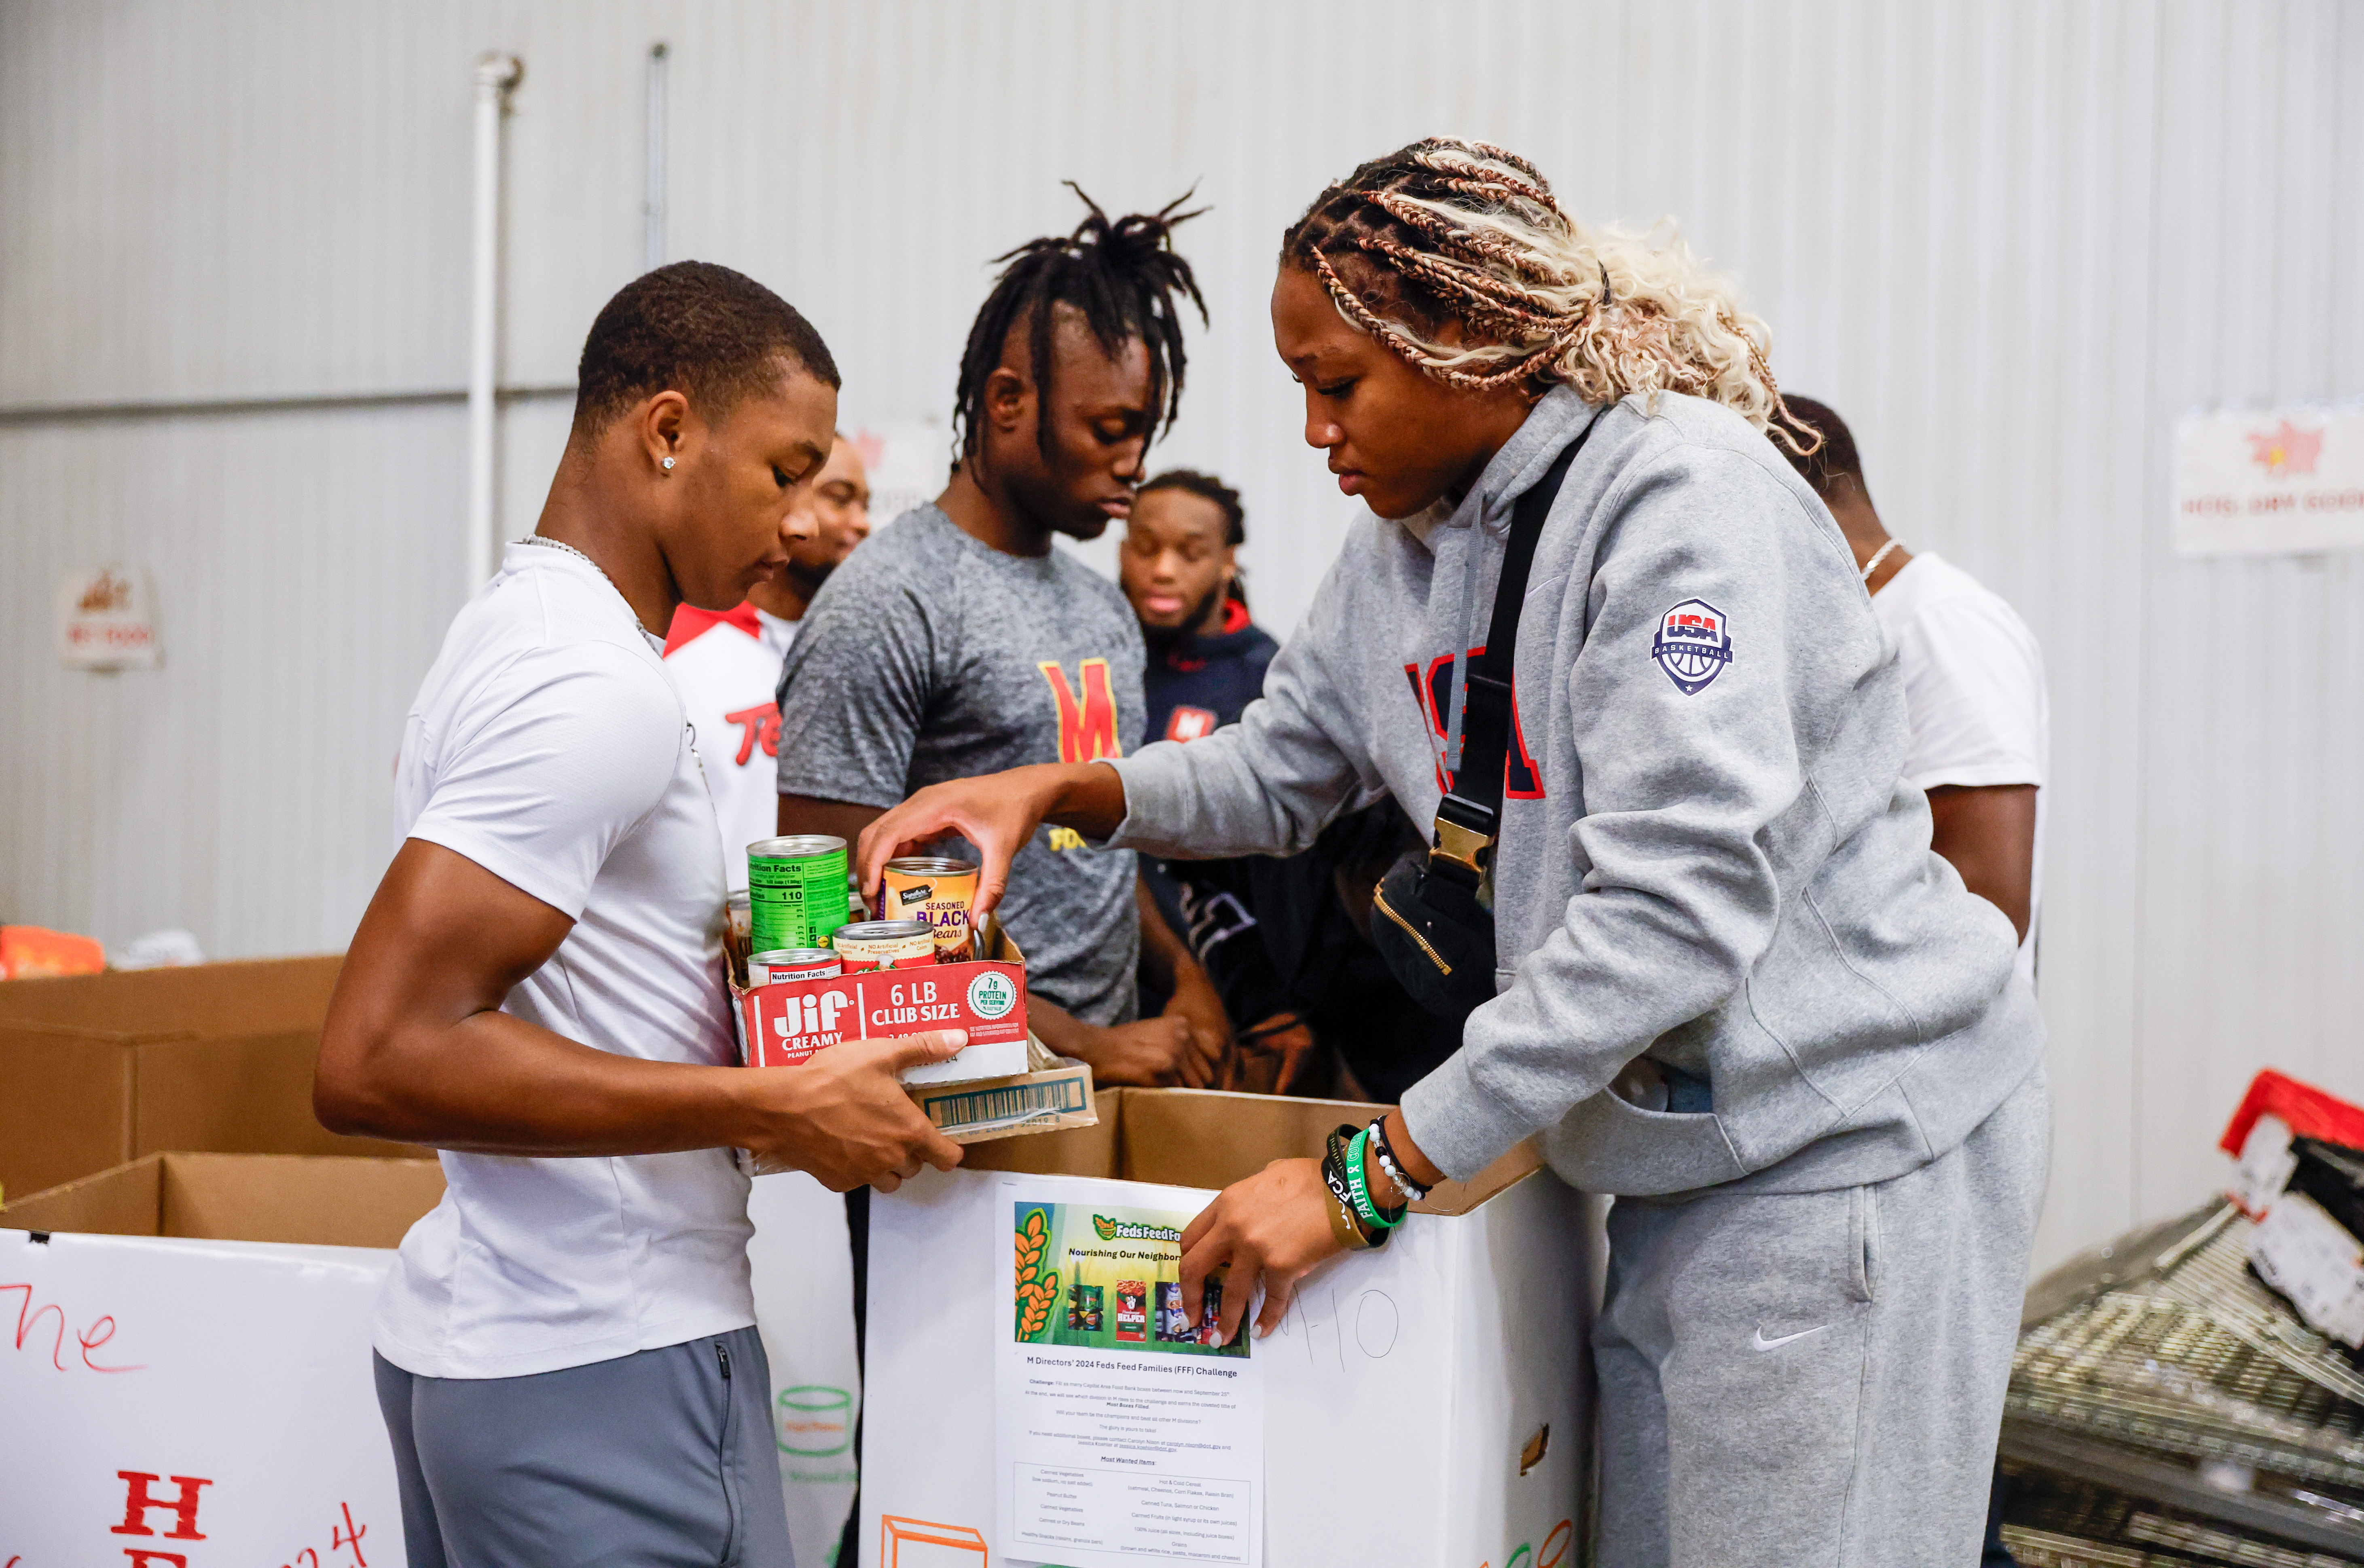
(1458, 1350)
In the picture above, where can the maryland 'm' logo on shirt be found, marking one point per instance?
(1086, 721)
(1432, 690)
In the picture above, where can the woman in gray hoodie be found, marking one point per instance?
(1733, 987)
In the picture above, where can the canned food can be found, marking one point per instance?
(884, 945)
(792, 963)
(938, 891)
(738, 926)
(795, 890)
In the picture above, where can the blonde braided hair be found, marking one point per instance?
(1451, 231)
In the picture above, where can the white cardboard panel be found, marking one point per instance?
(804, 1308)
(1468, 1332)
(245, 1365)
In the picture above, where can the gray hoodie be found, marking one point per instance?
(1708, 856)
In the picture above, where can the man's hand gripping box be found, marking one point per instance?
(1003, 1083)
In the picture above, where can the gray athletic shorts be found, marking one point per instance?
(1817, 1377)
(663, 1459)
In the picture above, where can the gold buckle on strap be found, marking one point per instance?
(1464, 847)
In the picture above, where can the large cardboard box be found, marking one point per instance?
(188, 1378)
(241, 1286)
(1458, 1350)
(98, 1069)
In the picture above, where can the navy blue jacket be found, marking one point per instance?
(1200, 684)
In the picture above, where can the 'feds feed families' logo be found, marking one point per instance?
(991, 996)
(1108, 1230)
(1693, 645)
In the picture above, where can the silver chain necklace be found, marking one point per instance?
(562, 544)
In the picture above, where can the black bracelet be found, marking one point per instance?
(1333, 1176)
(1385, 1153)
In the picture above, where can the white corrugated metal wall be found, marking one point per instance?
(2009, 240)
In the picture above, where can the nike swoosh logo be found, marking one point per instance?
(1762, 1343)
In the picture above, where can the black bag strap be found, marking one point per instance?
(1469, 819)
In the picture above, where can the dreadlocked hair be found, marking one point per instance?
(1451, 231)
(1121, 275)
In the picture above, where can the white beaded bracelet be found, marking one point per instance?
(1377, 1144)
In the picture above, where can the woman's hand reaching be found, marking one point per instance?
(1271, 1229)
(998, 813)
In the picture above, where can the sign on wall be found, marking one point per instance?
(107, 621)
(2281, 480)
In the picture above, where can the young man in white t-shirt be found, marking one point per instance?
(727, 664)
(1974, 699)
(1973, 691)
(566, 1356)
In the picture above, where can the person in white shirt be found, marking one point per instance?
(728, 668)
(1982, 724)
(565, 1351)
(727, 663)
(1974, 703)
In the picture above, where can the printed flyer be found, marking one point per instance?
(1124, 1432)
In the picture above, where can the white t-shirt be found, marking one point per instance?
(728, 670)
(547, 746)
(1974, 691)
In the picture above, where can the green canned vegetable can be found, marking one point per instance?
(797, 891)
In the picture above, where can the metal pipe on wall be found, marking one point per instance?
(652, 210)
(497, 76)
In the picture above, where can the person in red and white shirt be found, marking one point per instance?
(727, 666)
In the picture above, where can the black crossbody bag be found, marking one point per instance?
(1427, 919)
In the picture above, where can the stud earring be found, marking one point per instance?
(668, 463)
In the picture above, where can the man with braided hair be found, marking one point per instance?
(959, 639)
(1699, 943)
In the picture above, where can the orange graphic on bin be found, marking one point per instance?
(896, 1532)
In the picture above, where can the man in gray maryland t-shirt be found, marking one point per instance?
(930, 656)
(961, 640)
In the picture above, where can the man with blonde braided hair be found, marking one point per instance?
(1679, 900)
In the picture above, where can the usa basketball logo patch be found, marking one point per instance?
(1694, 644)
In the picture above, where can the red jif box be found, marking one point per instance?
(788, 1022)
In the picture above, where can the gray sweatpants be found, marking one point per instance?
(1817, 1378)
(663, 1459)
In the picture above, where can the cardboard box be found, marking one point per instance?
(95, 1070)
(190, 1378)
(1006, 1082)
(1460, 1349)
(1052, 1092)
(255, 1262)
(783, 1025)
(282, 1236)
(306, 1199)
(804, 1306)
